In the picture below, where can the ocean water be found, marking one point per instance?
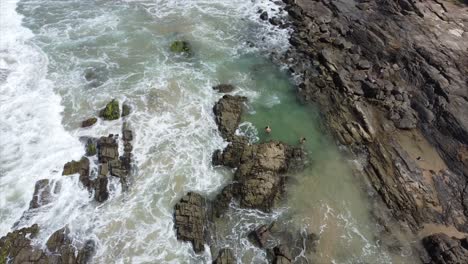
(47, 48)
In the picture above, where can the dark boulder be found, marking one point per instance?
(228, 111)
(89, 122)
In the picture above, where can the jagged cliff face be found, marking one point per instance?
(391, 78)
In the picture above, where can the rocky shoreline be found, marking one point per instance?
(390, 80)
(17, 246)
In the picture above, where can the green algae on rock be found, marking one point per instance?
(91, 148)
(180, 46)
(111, 111)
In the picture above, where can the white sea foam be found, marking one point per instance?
(33, 142)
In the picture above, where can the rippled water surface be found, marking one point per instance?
(61, 61)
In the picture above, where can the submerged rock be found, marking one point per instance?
(180, 46)
(43, 193)
(89, 122)
(91, 147)
(126, 109)
(225, 256)
(282, 255)
(111, 111)
(190, 220)
(224, 88)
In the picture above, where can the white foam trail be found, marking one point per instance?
(33, 143)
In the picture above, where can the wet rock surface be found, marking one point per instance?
(383, 70)
(228, 111)
(190, 220)
(17, 247)
(89, 122)
(225, 256)
(259, 175)
(443, 249)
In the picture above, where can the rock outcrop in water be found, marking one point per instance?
(228, 112)
(111, 111)
(16, 247)
(190, 220)
(259, 180)
(390, 76)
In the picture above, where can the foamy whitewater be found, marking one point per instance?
(46, 49)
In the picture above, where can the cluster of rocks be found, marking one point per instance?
(259, 181)
(109, 163)
(377, 69)
(16, 247)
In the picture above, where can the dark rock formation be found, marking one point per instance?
(43, 193)
(191, 220)
(81, 167)
(261, 236)
(282, 255)
(224, 88)
(228, 111)
(225, 256)
(443, 249)
(259, 183)
(378, 70)
(89, 122)
(108, 149)
(16, 248)
(111, 111)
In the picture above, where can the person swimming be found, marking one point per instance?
(302, 140)
(268, 129)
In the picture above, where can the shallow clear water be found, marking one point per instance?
(44, 96)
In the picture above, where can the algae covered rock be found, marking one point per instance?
(111, 111)
(180, 46)
(89, 122)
